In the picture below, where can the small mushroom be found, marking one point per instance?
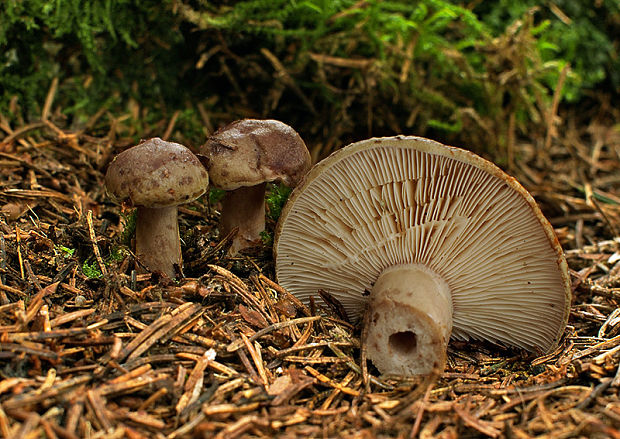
(435, 240)
(241, 158)
(156, 176)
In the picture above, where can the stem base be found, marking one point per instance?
(410, 321)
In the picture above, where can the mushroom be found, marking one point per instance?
(156, 176)
(241, 158)
(433, 242)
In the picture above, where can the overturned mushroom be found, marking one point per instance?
(437, 241)
(241, 158)
(156, 176)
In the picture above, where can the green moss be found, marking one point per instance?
(86, 45)
(91, 270)
(266, 238)
(128, 221)
(117, 254)
(277, 194)
(65, 251)
(578, 33)
(336, 70)
(215, 195)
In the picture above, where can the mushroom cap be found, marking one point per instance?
(156, 173)
(409, 200)
(251, 151)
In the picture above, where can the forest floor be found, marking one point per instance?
(89, 349)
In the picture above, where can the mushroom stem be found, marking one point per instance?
(410, 321)
(244, 208)
(158, 245)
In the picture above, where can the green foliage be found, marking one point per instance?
(117, 254)
(128, 221)
(277, 194)
(80, 19)
(215, 195)
(418, 66)
(576, 32)
(336, 70)
(266, 238)
(65, 251)
(92, 270)
(87, 45)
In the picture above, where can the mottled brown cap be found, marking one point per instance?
(156, 173)
(250, 151)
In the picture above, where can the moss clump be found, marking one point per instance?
(335, 70)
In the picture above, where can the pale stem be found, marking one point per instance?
(410, 321)
(158, 245)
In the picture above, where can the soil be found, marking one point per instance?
(89, 347)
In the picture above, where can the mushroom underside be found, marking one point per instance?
(390, 202)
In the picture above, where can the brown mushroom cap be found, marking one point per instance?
(250, 151)
(383, 202)
(156, 173)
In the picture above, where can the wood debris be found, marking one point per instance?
(90, 349)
